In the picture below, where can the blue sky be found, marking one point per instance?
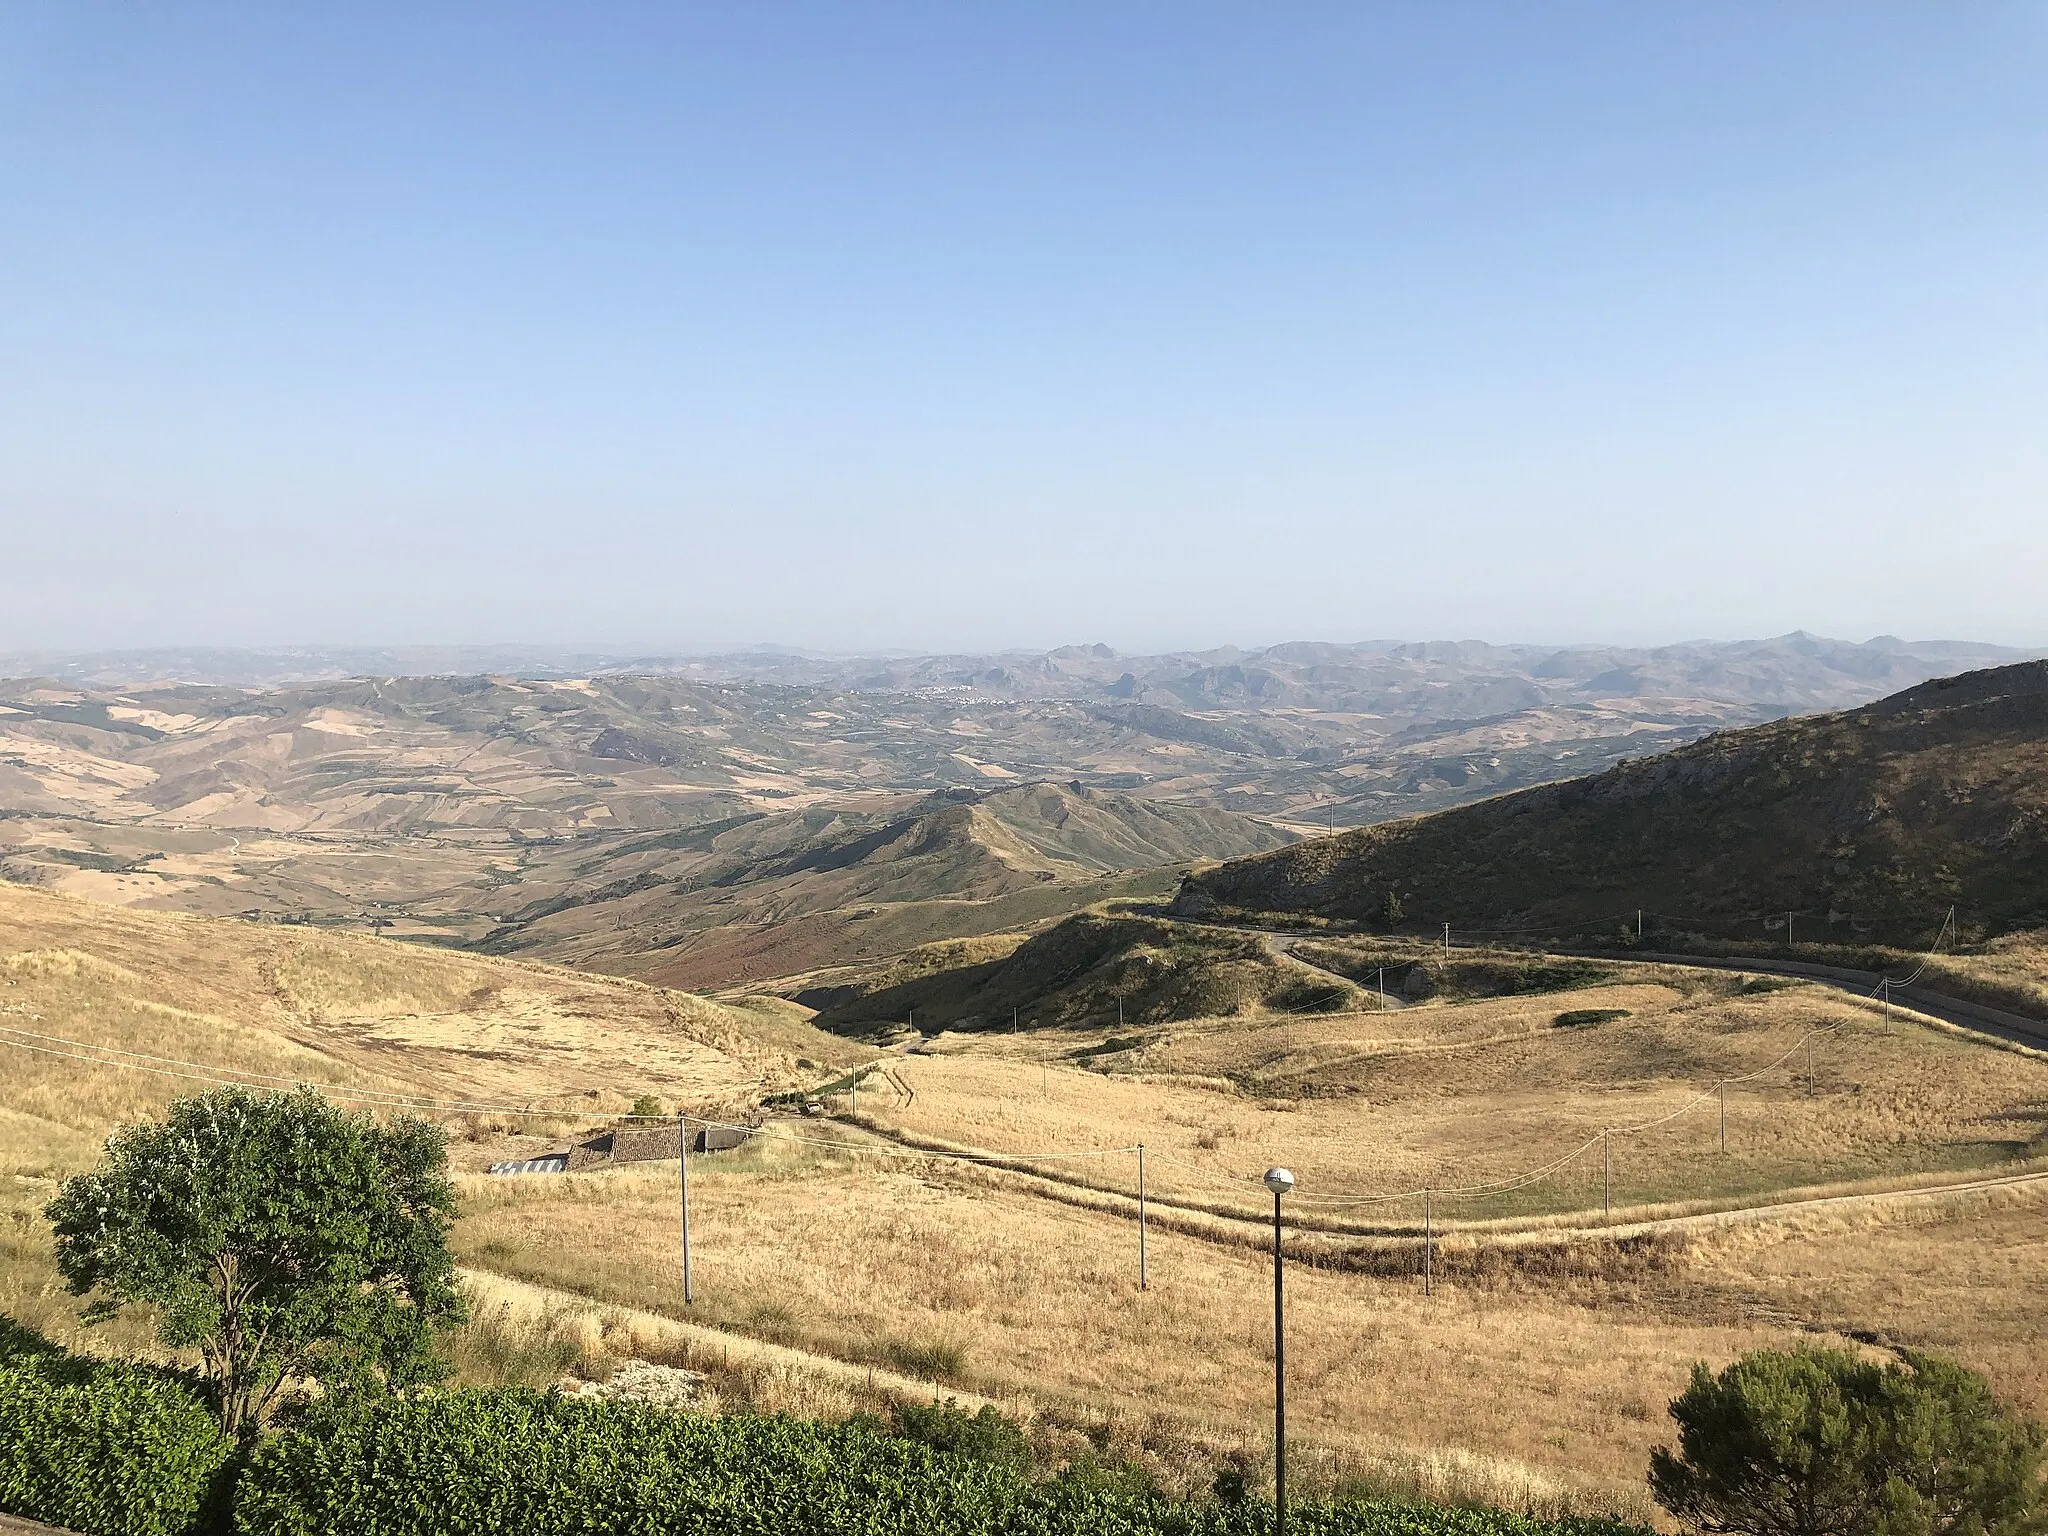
(972, 326)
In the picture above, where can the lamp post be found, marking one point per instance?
(1279, 1180)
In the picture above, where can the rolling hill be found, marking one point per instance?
(179, 1000)
(776, 895)
(449, 808)
(1863, 825)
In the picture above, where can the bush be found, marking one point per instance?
(470, 1463)
(279, 1234)
(518, 1460)
(105, 1449)
(1819, 1442)
(1578, 1018)
(984, 1436)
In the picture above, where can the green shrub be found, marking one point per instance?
(1820, 1442)
(519, 1460)
(1578, 1017)
(470, 1463)
(926, 1359)
(983, 1436)
(1109, 1047)
(106, 1449)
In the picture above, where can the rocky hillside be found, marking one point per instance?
(1863, 825)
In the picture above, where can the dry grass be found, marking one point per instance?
(1451, 1096)
(357, 1013)
(1042, 1306)
(1966, 1275)
(367, 1015)
(833, 1280)
(2010, 972)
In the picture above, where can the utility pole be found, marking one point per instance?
(1639, 925)
(1383, 989)
(1144, 1283)
(1788, 930)
(683, 1160)
(855, 1114)
(1724, 1117)
(1809, 1069)
(1887, 1005)
(1447, 943)
(1428, 1246)
(1119, 1011)
(1606, 1174)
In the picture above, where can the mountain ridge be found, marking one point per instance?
(1868, 823)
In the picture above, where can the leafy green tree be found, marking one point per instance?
(1820, 1442)
(1393, 914)
(647, 1107)
(279, 1235)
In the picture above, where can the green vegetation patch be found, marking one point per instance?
(1463, 977)
(1095, 968)
(110, 1449)
(513, 1459)
(1754, 985)
(1577, 1018)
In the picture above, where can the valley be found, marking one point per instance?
(602, 810)
(1541, 1171)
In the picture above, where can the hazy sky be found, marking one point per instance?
(975, 325)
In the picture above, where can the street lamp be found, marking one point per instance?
(1280, 1181)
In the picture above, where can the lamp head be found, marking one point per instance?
(1279, 1180)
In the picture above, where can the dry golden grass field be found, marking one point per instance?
(1363, 1105)
(1535, 1374)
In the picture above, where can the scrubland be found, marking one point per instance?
(837, 1265)
(1363, 1105)
(1550, 1382)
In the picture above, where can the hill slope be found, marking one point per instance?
(780, 894)
(1866, 824)
(358, 1015)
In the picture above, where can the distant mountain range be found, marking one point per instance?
(1433, 679)
(453, 805)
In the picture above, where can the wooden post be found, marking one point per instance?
(1428, 1246)
(1606, 1175)
(1724, 1117)
(683, 1160)
(1144, 1280)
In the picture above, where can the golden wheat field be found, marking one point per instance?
(837, 1264)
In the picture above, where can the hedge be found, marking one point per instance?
(517, 1460)
(107, 1449)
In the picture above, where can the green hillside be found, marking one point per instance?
(1093, 970)
(1865, 826)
